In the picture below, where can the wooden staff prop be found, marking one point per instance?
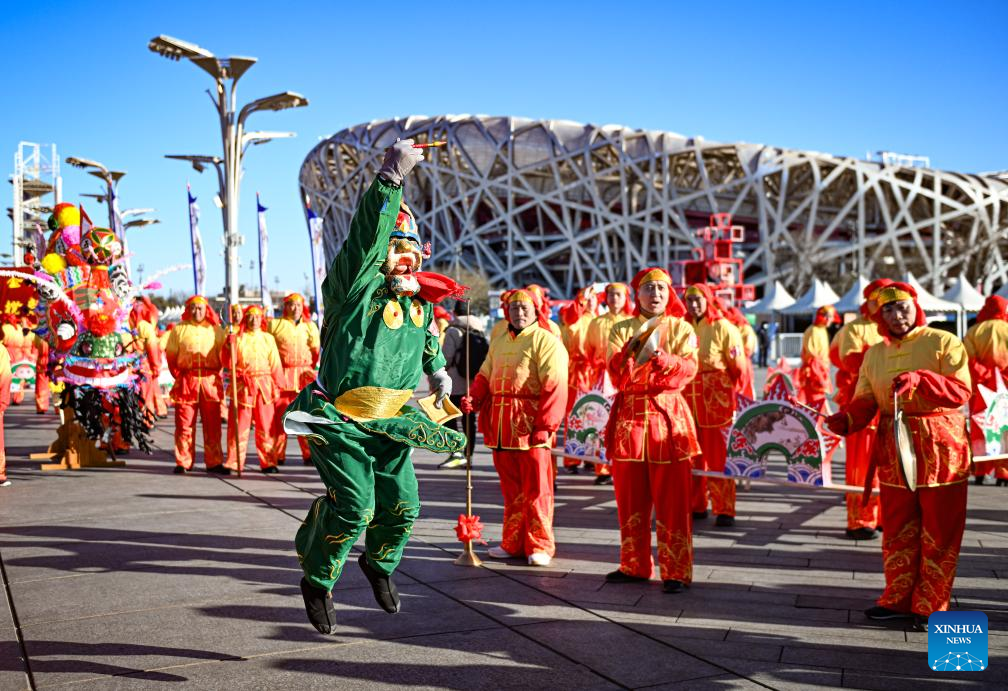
(233, 403)
(469, 527)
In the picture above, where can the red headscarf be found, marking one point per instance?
(298, 297)
(734, 315)
(578, 307)
(538, 294)
(994, 307)
(713, 310)
(211, 315)
(524, 294)
(674, 308)
(891, 293)
(143, 310)
(826, 315)
(870, 290)
(441, 313)
(627, 306)
(253, 309)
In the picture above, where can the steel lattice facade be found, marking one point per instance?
(565, 204)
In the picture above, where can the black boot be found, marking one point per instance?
(319, 607)
(699, 515)
(672, 586)
(724, 521)
(618, 576)
(385, 592)
(978, 479)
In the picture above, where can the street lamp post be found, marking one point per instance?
(233, 136)
(111, 179)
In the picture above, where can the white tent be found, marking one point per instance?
(818, 295)
(775, 300)
(927, 301)
(964, 295)
(852, 299)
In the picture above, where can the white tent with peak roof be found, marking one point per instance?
(818, 295)
(775, 299)
(964, 295)
(852, 299)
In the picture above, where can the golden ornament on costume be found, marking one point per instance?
(416, 313)
(392, 315)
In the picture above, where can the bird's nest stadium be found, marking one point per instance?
(565, 204)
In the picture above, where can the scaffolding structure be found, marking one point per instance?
(37, 189)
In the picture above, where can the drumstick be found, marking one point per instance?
(794, 401)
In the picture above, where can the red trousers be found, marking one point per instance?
(856, 468)
(527, 485)
(920, 546)
(3, 447)
(262, 413)
(185, 433)
(279, 438)
(41, 390)
(641, 487)
(721, 492)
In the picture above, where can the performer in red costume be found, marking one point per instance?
(847, 351)
(143, 320)
(986, 344)
(521, 395)
(923, 508)
(711, 396)
(650, 438)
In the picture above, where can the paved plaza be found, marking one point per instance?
(138, 578)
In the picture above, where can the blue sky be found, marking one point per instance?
(843, 78)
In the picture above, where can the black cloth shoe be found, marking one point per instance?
(1001, 482)
(860, 534)
(179, 470)
(385, 592)
(920, 623)
(978, 480)
(219, 470)
(618, 576)
(879, 613)
(672, 586)
(603, 480)
(571, 469)
(269, 470)
(699, 515)
(724, 521)
(318, 606)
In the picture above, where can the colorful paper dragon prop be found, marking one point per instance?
(86, 295)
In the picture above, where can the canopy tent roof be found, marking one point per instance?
(927, 301)
(818, 295)
(964, 295)
(775, 299)
(852, 299)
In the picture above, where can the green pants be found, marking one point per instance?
(370, 484)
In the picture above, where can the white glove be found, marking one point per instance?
(399, 161)
(442, 385)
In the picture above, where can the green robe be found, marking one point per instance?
(375, 346)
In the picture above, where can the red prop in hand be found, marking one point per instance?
(838, 423)
(906, 383)
(469, 529)
(466, 404)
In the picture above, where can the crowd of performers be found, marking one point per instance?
(674, 367)
(671, 409)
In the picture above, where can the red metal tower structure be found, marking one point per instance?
(714, 263)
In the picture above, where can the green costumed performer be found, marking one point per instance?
(376, 342)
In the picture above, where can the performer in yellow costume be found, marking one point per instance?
(814, 376)
(297, 341)
(193, 352)
(926, 371)
(258, 377)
